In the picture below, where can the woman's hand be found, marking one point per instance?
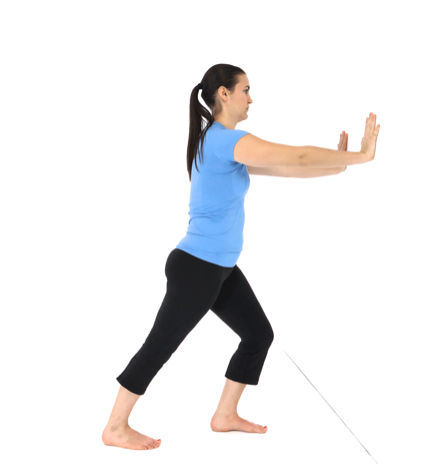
(342, 145)
(368, 145)
(343, 142)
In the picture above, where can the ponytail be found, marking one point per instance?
(217, 76)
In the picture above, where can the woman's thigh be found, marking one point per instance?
(239, 308)
(192, 287)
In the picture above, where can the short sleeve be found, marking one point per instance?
(224, 146)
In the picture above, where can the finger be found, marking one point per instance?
(369, 123)
(375, 129)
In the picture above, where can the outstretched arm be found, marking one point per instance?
(294, 171)
(301, 171)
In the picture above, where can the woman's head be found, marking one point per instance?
(232, 106)
(225, 90)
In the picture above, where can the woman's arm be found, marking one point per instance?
(289, 171)
(294, 171)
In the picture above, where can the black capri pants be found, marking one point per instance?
(195, 286)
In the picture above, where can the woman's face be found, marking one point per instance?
(241, 96)
(236, 104)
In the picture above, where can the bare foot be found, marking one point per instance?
(235, 423)
(126, 437)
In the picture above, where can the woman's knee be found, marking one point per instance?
(270, 335)
(265, 337)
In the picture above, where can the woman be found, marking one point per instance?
(201, 271)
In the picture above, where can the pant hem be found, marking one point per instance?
(249, 382)
(130, 389)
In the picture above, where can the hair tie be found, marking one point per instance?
(200, 85)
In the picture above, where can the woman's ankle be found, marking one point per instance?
(115, 425)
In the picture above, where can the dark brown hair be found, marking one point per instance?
(218, 75)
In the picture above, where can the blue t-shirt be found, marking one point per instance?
(217, 195)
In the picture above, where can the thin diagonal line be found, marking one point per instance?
(330, 406)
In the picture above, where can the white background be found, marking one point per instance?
(94, 195)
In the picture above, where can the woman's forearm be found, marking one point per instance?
(316, 157)
(309, 172)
